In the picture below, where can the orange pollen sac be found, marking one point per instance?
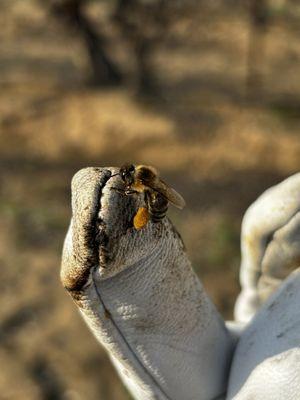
(141, 218)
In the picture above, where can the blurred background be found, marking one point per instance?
(206, 91)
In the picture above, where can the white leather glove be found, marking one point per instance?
(139, 296)
(266, 362)
(270, 245)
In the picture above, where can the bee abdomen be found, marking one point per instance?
(158, 207)
(157, 217)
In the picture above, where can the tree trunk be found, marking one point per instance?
(104, 71)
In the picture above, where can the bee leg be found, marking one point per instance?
(125, 192)
(121, 191)
(148, 199)
(130, 192)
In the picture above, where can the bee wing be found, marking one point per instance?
(169, 193)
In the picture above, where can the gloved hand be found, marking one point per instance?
(270, 242)
(138, 294)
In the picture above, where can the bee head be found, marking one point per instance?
(127, 173)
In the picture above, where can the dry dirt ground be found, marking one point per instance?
(214, 146)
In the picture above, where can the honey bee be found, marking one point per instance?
(145, 179)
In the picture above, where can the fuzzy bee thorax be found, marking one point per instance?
(138, 186)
